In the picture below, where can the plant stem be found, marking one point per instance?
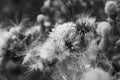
(72, 7)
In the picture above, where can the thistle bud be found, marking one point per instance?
(111, 8)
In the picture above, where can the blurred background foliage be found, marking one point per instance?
(51, 8)
(56, 11)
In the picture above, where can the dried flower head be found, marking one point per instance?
(56, 41)
(40, 18)
(85, 23)
(111, 8)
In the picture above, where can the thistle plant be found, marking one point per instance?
(62, 43)
(59, 44)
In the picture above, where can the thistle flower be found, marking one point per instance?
(84, 25)
(15, 31)
(12, 41)
(103, 28)
(18, 27)
(4, 37)
(40, 18)
(61, 52)
(111, 8)
(85, 22)
(56, 40)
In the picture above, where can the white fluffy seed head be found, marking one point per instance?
(111, 7)
(55, 43)
(103, 28)
(40, 17)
